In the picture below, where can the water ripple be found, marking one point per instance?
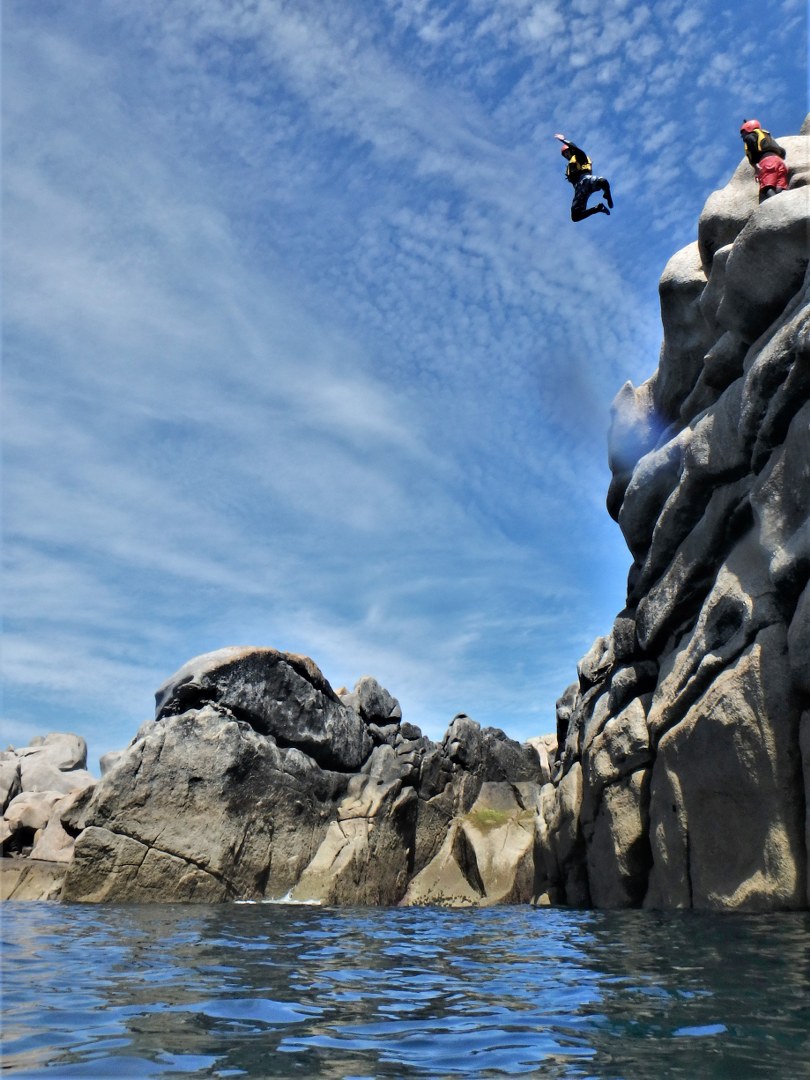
(279, 991)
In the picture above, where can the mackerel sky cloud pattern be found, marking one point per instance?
(301, 347)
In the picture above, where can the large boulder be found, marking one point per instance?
(35, 781)
(278, 694)
(202, 808)
(727, 803)
(10, 776)
(364, 856)
(766, 265)
(62, 750)
(23, 879)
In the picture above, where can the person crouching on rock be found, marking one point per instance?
(767, 158)
(579, 173)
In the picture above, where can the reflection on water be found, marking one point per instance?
(281, 991)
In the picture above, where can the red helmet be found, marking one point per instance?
(565, 150)
(749, 125)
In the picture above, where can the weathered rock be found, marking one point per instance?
(740, 604)
(375, 704)
(560, 835)
(726, 213)
(31, 810)
(108, 761)
(674, 597)
(622, 747)
(722, 366)
(203, 808)
(678, 782)
(780, 498)
(567, 727)
(799, 643)
(804, 750)
(208, 804)
(652, 484)
(277, 694)
(450, 878)
(364, 856)
(53, 843)
(630, 682)
(54, 762)
(9, 778)
(63, 750)
(488, 853)
(21, 879)
(487, 754)
(40, 775)
(766, 265)
(687, 335)
(545, 746)
(635, 429)
(727, 803)
(35, 782)
(618, 853)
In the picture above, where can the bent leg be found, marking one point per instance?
(580, 215)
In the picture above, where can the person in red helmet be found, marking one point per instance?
(579, 172)
(767, 158)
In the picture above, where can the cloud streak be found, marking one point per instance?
(301, 348)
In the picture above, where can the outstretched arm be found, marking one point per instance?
(562, 138)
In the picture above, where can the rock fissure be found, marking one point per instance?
(151, 846)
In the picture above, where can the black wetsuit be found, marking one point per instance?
(768, 162)
(578, 173)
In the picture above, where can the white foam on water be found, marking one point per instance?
(288, 899)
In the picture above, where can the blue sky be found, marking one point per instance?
(300, 345)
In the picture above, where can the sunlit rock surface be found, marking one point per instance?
(258, 781)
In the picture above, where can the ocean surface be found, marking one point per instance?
(273, 990)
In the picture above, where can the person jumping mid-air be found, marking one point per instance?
(579, 173)
(766, 156)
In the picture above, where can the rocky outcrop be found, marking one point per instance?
(682, 773)
(256, 780)
(38, 783)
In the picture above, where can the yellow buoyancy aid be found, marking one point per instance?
(577, 167)
(766, 144)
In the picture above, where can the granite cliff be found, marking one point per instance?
(680, 772)
(683, 775)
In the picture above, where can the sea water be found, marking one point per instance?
(283, 991)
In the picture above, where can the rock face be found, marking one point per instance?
(39, 783)
(682, 778)
(256, 780)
